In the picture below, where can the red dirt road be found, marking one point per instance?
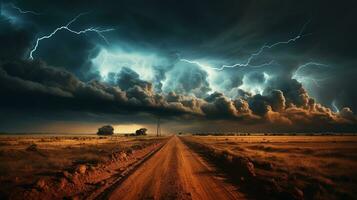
(175, 172)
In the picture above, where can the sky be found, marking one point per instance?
(199, 66)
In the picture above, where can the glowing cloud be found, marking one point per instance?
(112, 61)
(253, 85)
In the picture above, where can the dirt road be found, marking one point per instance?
(175, 172)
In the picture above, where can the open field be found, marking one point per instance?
(34, 165)
(185, 167)
(310, 167)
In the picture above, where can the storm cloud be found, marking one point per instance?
(33, 84)
(165, 58)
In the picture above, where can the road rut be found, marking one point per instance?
(175, 172)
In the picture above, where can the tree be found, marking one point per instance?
(106, 130)
(141, 131)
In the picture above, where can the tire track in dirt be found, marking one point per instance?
(174, 172)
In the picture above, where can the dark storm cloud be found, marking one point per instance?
(34, 85)
(217, 32)
(14, 42)
(127, 78)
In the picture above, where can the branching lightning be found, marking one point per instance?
(301, 78)
(66, 27)
(252, 56)
(24, 11)
(306, 65)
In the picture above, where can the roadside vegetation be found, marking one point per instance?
(32, 167)
(285, 167)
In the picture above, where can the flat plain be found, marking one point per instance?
(178, 167)
(310, 167)
(49, 166)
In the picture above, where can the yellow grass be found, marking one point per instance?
(20, 165)
(328, 161)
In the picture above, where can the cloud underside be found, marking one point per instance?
(34, 85)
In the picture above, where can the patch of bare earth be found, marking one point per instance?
(67, 167)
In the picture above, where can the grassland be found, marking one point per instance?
(300, 167)
(260, 166)
(32, 166)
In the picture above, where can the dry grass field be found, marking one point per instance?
(37, 163)
(308, 167)
(185, 167)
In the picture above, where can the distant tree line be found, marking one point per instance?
(109, 130)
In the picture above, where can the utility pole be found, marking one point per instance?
(158, 129)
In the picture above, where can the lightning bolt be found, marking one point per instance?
(302, 78)
(306, 65)
(224, 66)
(243, 65)
(66, 27)
(254, 55)
(24, 11)
(335, 107)
(196, 63)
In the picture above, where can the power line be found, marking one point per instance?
(158, 128)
